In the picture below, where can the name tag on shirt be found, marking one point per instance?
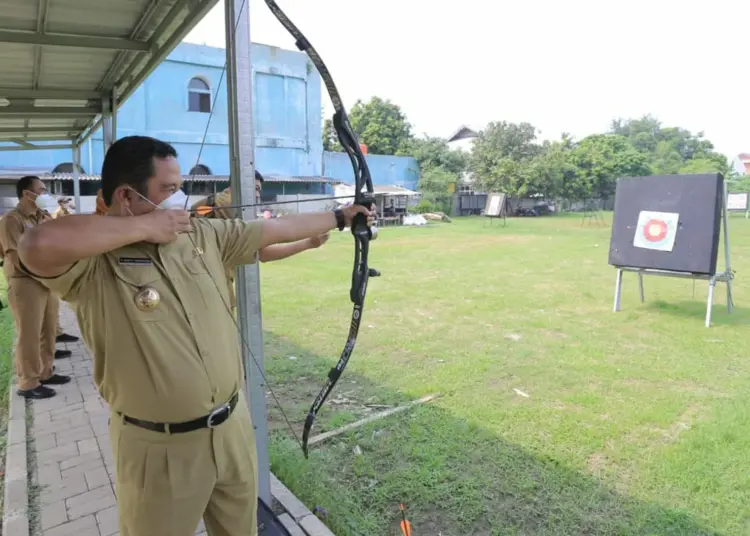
(134, 261)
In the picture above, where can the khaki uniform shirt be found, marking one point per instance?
(182, 359)
(222, 199)
(12, 226)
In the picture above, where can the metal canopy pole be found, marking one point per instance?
(108, 123)
(77, 177)
(242, 181)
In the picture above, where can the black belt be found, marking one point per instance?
(213, 419)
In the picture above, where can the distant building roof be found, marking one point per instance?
(463, 133)
(744, 157)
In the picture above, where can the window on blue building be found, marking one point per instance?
(199, 96)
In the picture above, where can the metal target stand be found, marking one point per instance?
(591, 214)
(722, 277)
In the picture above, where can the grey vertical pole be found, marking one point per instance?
(77, 177)
(727, 256)
(113, 114)
(242, 181)
(108, 123)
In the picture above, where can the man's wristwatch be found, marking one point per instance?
(340, 222)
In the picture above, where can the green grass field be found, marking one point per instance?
(636, 422)
(6, 358)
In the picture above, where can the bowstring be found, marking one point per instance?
(203, 261)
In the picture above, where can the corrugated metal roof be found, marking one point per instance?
(10, 173)
(62, 60)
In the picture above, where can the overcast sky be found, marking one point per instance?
(564, 66)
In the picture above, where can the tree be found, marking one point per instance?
(670, 149)
(601, 159)
(551, 170)
(501, 156)
(330, 139)
(432, 153)
(440, 168)
(381, 125)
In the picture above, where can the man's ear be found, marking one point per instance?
(122, 195)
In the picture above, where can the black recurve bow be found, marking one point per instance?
(363, 234)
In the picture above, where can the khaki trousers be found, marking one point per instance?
(35, 311)
(166, 483)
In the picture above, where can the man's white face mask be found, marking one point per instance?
(45, 202)
(176, 201)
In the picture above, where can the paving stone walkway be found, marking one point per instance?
(75, 467)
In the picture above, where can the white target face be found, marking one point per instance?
(656, 230)
(737, 202)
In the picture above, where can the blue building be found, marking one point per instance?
(179, 103)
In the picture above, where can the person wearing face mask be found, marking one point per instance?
(150, 293)
(214, 205)
(34, 307)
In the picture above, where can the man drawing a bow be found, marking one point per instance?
(149, 289)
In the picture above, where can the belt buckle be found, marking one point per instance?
(215, 414)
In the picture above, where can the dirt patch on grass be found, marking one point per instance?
(650, 437)
(351, 400)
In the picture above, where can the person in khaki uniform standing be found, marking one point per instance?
(61, 335)
(217, 206)
(149, 291)
(34, 307)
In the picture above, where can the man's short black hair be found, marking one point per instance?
(25, 183)
(258, 176)
(130, 161)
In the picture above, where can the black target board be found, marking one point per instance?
(668, 222)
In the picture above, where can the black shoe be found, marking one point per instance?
(56, 379)
(37, 393)
(61, 354)
(64, 337)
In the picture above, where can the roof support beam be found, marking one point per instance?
(64, 40)
(47, 111)
(21, 138)
(57, 94)
(21, 131)
(36, 148)
(23, 143)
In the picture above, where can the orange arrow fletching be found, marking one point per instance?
(204, 210)
(405, 525)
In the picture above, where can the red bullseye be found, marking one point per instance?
(655, 230)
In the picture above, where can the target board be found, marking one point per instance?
(737, 202)
(495, 206)
(669, 222)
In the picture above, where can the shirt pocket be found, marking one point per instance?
(210, 280)
(134, 280)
